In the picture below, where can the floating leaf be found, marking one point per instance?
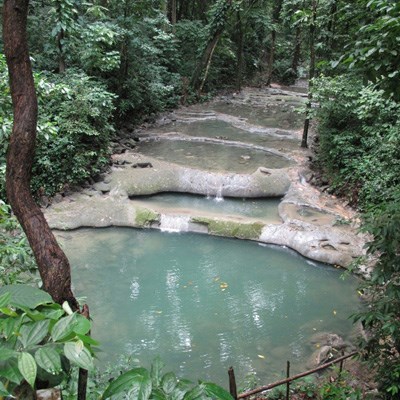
(28, 368)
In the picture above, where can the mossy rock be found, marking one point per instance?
(231, 229)
(145, 217)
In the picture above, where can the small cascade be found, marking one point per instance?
(218, 196)
(174, 223)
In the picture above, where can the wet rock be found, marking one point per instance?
(48, 394)
(142, 165)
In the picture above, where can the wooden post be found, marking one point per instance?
(232, 383)
(288, 383)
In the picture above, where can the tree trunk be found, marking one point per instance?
(239, 52)
(311, 74)
(61, 56)
(271, 58)
(172, 12)
(221, 14)
(196, 82)
(53, 265)
(297, 49)
(275, 21)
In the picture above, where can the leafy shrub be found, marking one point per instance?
(73, 132)
(359, 134)
(382, 317)
(16, 258)
(39, 339)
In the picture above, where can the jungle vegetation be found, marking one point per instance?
(102, 65)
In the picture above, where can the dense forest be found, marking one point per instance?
(104, 66)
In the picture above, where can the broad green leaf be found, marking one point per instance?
(158, 394)
(34, 333)
(5, 299)
(34, 315)
(144, 385)
(28, 368)
(216, 392)
(79, 355)
(88, 340)
(52, 312)
(6, 353)
(81, 324)
(10, 371)
(48, 359)
(8, 326)
(168, 382)
(156, 369)
(26, 296)
(196, 393)
(63, 328)
(123, 383)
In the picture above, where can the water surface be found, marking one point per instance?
(212, 156)
(265, 209)
(204, 304)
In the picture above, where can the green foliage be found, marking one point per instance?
(374, 47)
(39, 338)
(382, 317)
(139, 383)
(16, 259)
(73, 129)
(359, 137)
(149, 81)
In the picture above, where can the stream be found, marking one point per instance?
(189, 290)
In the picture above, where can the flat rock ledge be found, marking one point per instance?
(317, 232)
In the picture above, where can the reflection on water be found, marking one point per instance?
(204, 304)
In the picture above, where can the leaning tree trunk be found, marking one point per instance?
(53, 265)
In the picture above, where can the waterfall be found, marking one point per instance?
(174, 223)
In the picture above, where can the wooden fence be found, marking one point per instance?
(287, 381)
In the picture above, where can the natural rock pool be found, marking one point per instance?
(204, 304)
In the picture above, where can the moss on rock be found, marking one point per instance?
(144, 217)
(231, 229)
